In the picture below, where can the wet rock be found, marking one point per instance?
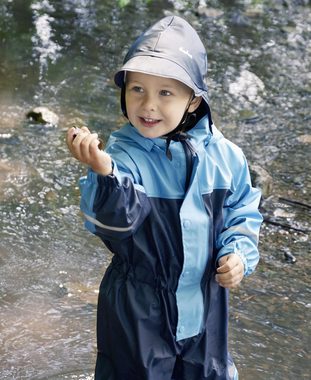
(289, 257)
(61, 290)
(76, 122)
(280, 213)
(254, 10)
(304, 139)
(298, 181)
(43, 115)
(51, 196)
(239, 19)
(288, 28)
(262, 180)
(204, 11)
(247, 87)
(249, 116)
(246, 114)
(296, 40)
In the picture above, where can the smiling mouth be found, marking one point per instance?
(149, 122)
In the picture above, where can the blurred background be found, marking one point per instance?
(61, 56)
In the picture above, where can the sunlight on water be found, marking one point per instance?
(44, 46)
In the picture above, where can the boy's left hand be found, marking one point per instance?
(230, 271)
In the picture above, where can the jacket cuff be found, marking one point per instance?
(94, 177)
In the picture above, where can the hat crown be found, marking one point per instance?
(173, 39)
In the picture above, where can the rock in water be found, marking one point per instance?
(289, 257)
(43, 115)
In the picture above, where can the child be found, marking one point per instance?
(172, 200)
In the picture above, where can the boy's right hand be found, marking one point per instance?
(84, 147)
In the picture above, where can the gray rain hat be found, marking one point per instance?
(170, 48)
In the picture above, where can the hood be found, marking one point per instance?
(170, 48)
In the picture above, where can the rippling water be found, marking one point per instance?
(62, 55)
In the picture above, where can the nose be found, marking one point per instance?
(149, 102)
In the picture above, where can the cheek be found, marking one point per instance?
(130, 105)
(175, 114)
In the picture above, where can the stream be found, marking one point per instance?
(62, 55)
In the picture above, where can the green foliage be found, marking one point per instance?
(124, 3)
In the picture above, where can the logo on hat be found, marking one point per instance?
(185, 52)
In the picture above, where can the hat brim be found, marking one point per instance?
(157, 66)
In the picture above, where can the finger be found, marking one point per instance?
(236, 262)
(73, 141)
(230, 282)
(70, 133)
(232, 260)
(224, 264)
(96, 144)
(222, 261)
(85, 129)
(78, 136)
(231, 278)
(70, 136)
(230, 274)
(233, 283)
(86, 144)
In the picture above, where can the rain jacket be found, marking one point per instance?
(159, 298)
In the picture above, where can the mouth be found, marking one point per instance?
(149, 122)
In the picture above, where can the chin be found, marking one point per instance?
(149, 134)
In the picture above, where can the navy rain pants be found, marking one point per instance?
(136, 326)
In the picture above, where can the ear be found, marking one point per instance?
(195, 103)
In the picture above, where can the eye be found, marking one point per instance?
(137, 89)
(165, 93)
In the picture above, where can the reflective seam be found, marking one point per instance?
(99, 224)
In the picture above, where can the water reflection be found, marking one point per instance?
(48, 299)
(31, 327)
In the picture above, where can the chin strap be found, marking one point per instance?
(189, 150)
(180, 134)
(122, 101)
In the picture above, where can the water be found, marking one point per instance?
(62, 55)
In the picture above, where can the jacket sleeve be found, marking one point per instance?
(114, 206)
(242, 220)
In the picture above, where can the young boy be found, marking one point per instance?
(172, 199)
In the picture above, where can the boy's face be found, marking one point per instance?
(155, 105)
